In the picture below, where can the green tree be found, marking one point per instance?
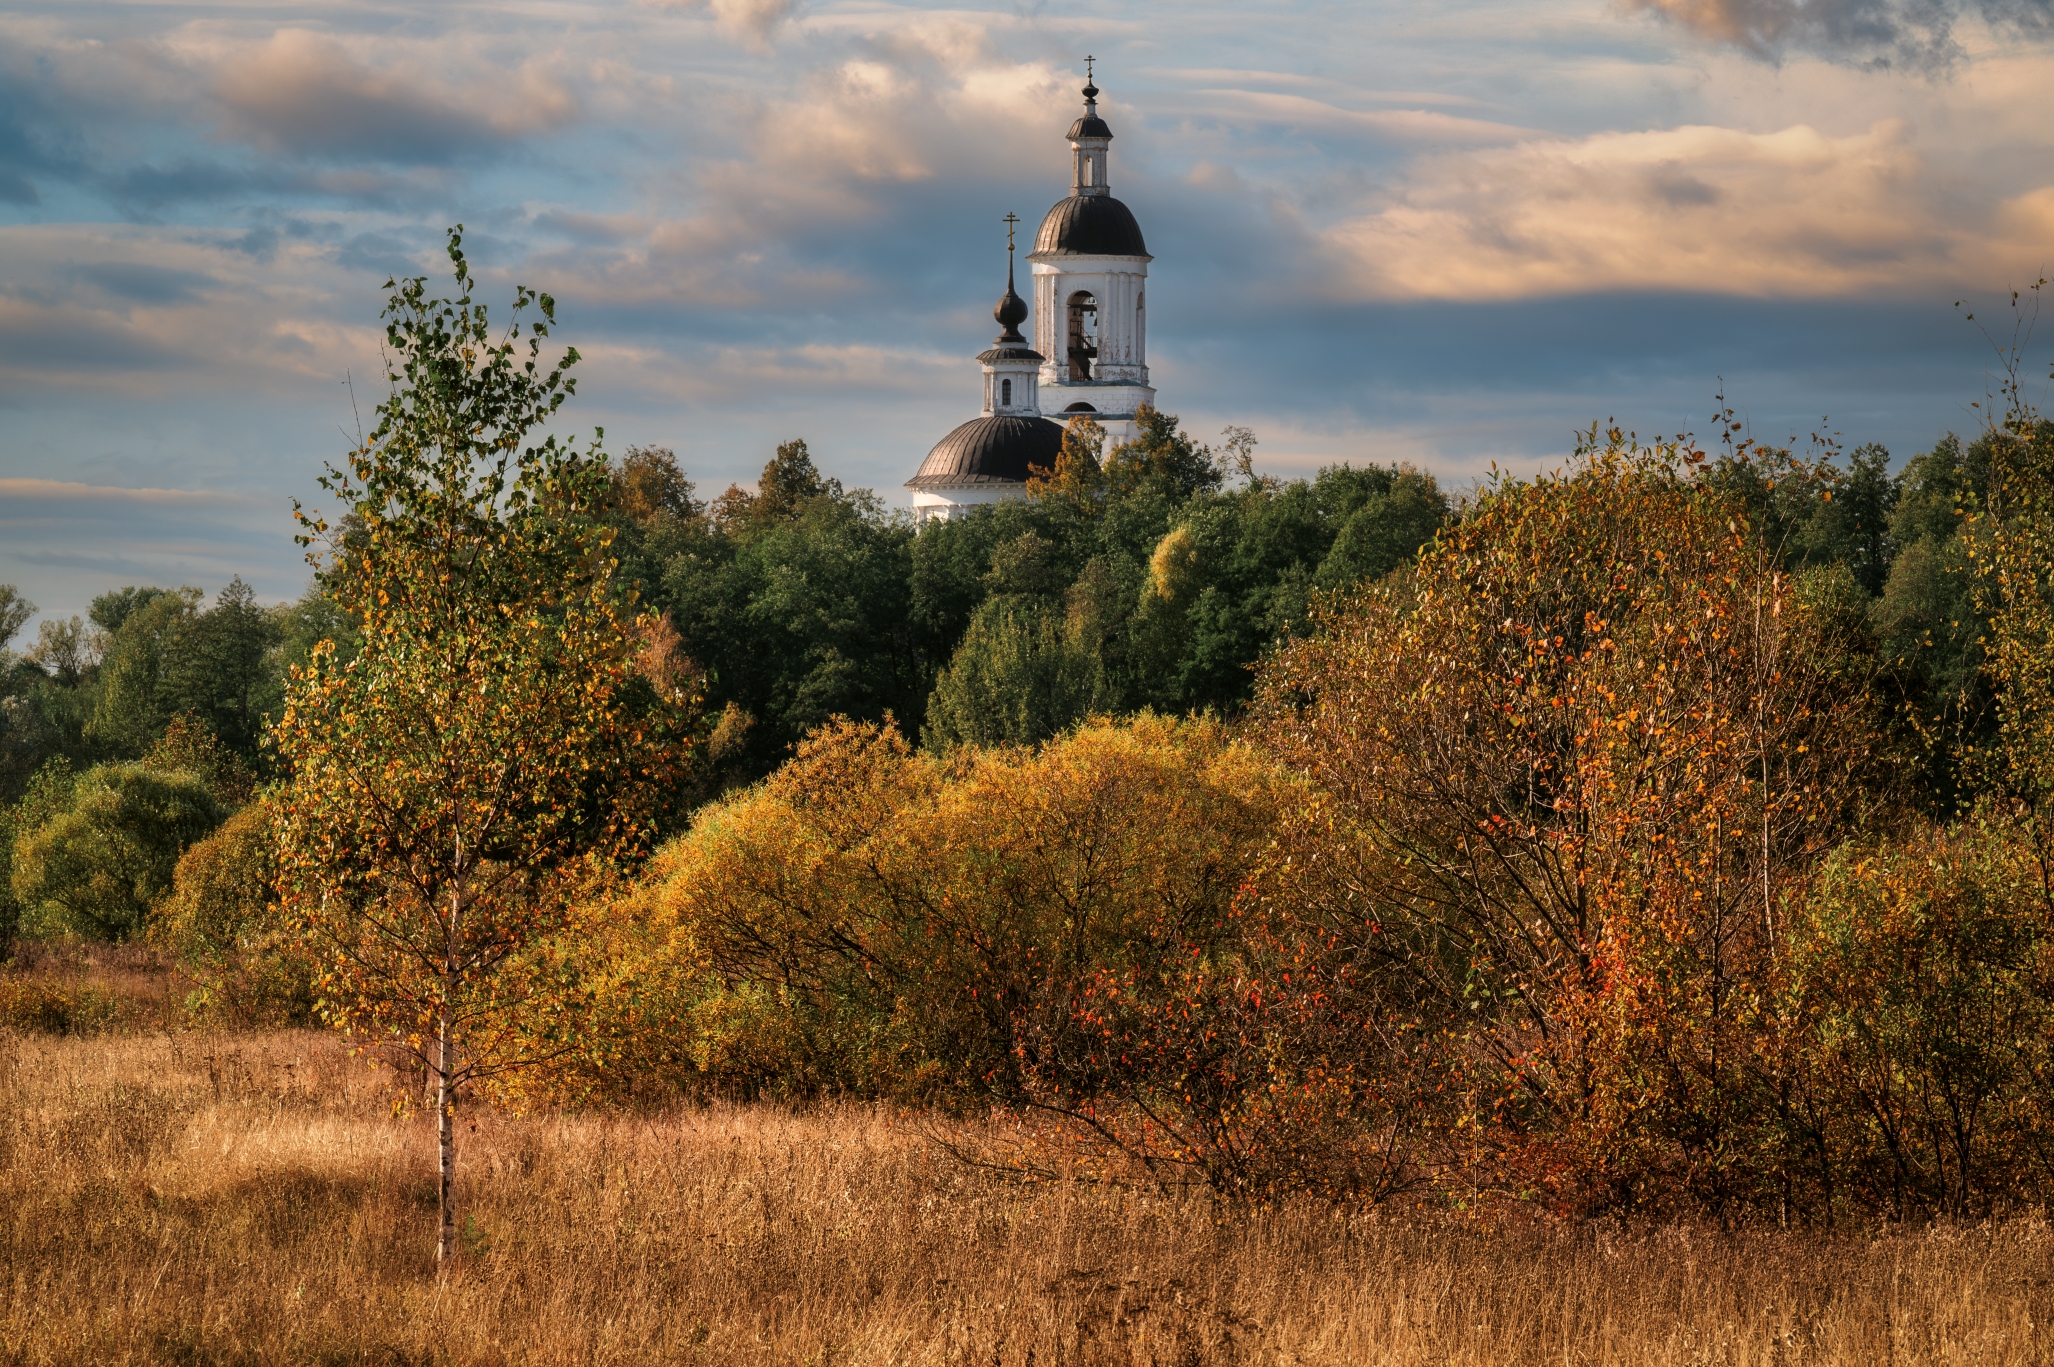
(1385, 529)
(1162, 455)
(500, 744)
(789, 481)
(96, 867)
(114, 607)
(1017, 679)
(15, 612)
(222, 675)
(48, 792)
(800, 618)
(66, 650)
(136, 698)
(168, 657)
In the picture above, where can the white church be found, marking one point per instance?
(1090, 352)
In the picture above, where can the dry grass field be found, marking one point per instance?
(191, 1198)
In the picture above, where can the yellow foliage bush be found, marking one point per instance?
(873, 919)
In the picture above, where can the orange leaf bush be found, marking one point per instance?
(1573, 771)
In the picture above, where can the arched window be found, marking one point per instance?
(1005, 393)
(1083, 348)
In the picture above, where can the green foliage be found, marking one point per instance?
(168, 657)
(1921, 977)
(187, 746)
(1161, 458)
(15, 612)
(137, 694)
(1817, 512)
(47, 793)
(1018, 678)
(802, 601)
(96, 865)
(113, 608)
(1385, 529)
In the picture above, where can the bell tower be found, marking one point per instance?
(1090, 289)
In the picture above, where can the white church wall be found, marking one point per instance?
(939, 505)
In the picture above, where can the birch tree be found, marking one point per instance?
(500, 742)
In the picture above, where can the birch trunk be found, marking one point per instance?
(445, 1121)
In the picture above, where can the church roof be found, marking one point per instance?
(1089, 225)
(994, 450)
(1090, 126)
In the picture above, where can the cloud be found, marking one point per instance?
(1918, 34)
(1705, 209)
(66, 491)
(1421, 126)
(141, 282)
(306, 92)
(752, 21)
(139, 312)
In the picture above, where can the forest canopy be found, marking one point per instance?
(1664, 834)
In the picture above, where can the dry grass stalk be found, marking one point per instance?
(82, 988)
(250, 1199)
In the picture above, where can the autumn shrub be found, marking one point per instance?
(1572, 772)
(1922, 974)
(877, 920)
(35, 1005)
(224, 923)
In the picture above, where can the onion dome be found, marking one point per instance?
(996, 450)
(1011, 311)
(1089, 225)
(1090, 126)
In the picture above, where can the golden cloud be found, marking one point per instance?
(1720, 210)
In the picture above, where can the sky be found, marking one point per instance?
(1445, 233)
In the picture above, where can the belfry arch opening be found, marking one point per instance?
(1083, 341)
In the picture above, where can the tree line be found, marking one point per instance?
(1665, 834)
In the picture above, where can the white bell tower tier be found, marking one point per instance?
(1090, 291)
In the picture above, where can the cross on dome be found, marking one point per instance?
(1012, 309)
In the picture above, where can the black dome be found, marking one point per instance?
(1090, 225)
(990, 451)
(1010, 312)
(1090, 126)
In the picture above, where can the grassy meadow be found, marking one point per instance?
(175, 1196)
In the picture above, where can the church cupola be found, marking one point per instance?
(1090, 142)
(1011, 367)
(992, 456)
(1090, 300)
